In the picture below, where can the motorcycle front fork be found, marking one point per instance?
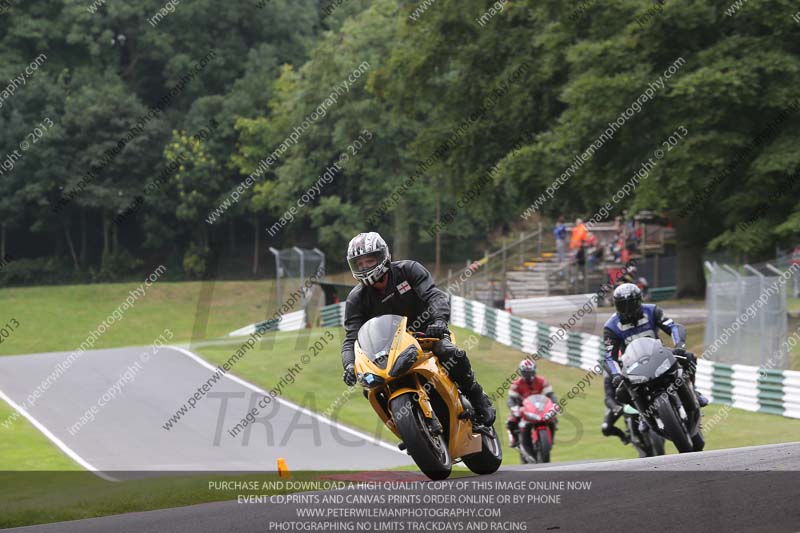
(638, 402)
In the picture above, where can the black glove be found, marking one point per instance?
(690, 361)
(616, 379)
(437, 329)
(349, 376)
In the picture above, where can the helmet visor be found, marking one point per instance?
(362, 265)
(629, 307)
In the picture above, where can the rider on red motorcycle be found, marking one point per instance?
(527, 384)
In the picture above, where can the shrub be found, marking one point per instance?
(38, 271)
(195, 261)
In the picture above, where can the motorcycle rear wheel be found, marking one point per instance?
(657, 443)
(638, 440)
(698, 442)
(488, 460)
(429, 451)
(653, 443)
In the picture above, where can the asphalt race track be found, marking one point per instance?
(745, 489)
(593, 323)
(127, 434)
(769, 458)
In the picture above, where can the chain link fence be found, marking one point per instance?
(293, 267)
(785, 262)
(747, 315)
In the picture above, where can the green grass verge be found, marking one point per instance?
(793, 304)
(23, 447)
(60, 318)
(43, 497)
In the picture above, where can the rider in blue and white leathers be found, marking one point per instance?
(631, 321)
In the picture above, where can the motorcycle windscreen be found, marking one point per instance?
(646, 357)
(376, 335)
(537, 402)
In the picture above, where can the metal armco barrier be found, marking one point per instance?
(544, 304)
(331, 315)
(287, 322)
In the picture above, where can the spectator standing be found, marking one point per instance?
(594, 251)
(576, 243)
(578, 235)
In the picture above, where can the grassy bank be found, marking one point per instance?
(60, 318)
(43, 497)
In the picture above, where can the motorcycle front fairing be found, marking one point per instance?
(537, 408)
(646, 360)
(537, 411)
(648, 367)
(376, 336)
(390, 362)
(653, 370)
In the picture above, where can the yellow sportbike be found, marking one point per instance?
(416, 399)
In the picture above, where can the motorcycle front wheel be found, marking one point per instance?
(527, 452)
(429, 451)
(543, 453)
(673, 427)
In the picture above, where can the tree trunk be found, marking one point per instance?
(402, 231)
(691, 237)
(204, 235)
(690, 276)
(256, 240)
(83, 237)
(232, 236)
(105, 230)
(114, 239)
(438, 265)
(72, 249)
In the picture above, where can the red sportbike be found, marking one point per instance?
(537, 421)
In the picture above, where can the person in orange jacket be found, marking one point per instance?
(578, 234)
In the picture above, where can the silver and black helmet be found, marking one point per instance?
(362, 247)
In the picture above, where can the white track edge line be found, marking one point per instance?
(287, 403)
(55, 440)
